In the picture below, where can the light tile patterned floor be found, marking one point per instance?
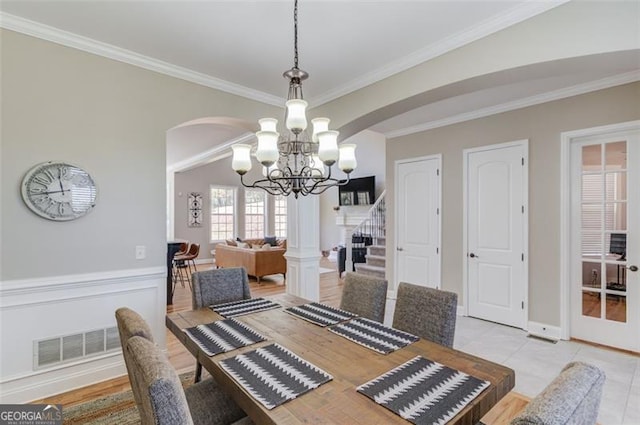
(537, 362)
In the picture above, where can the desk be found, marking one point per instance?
(350, 365)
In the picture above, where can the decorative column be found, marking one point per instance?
(303, 247)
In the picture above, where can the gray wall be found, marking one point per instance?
(109, 117)
(542, 125)
(198, 180)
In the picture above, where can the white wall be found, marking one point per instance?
(370, 153)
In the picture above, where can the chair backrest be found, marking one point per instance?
(573, 397)
(426, 312)
(131, 324)
(184, 248)
(365, 296)
(157, 384)
(194, 250)
(218, 286)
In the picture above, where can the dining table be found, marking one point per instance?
(349, 364)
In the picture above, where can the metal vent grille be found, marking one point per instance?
(72, 347)
(113, 338)
(52, 351)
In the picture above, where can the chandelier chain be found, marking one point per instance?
(295, 34)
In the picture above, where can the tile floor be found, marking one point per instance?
(537, 362)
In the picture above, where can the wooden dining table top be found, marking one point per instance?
(350, 364)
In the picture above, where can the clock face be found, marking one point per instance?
(59, 191)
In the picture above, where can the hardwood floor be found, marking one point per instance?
(180, 358)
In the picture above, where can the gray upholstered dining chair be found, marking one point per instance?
(131, 324)
(364, 295)
(162, 398)
(573, 397)
(218, 286)
(426, 312)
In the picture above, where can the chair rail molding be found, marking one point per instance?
(49, 308)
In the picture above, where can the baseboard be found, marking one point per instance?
(33, 310)
(460, 310)
(51, 382)
(545, 331)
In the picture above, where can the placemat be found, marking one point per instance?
(374, 335)
(238, 308)
(423, 391)
(320, 314)
(223, 335)
(274, 375)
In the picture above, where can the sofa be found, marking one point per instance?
(253, 254)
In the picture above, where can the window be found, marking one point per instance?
(254, 213)
(223, 213)
(280, 215)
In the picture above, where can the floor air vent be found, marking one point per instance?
(52, 351)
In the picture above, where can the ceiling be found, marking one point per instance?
(244, 46)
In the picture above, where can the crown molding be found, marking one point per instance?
(214, 154)
(506, 19)
(65, 38)
(604, 83)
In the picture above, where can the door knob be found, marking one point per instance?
(633, 268)
(472, 255)
(399, 249)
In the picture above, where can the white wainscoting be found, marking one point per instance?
(36, 309)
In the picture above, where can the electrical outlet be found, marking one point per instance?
(141, 252)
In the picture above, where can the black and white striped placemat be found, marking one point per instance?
(374, 335)
(423, 391)
(223, 335)
(238, 308)
(274, 375)
(320, 314)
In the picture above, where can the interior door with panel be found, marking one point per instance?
(496, 229)
(418, 221)
(605, 221)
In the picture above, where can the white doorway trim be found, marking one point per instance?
(566, 139)
(397, 163)
(524, 143)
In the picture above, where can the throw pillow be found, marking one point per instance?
(243, 245)
(271, 240)
(231, 242)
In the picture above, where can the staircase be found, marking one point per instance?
(371, 233)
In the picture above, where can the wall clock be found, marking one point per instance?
(59, 191)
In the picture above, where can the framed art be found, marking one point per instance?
(346, 198)
(363, 198)
(195, 209)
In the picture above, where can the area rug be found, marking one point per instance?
(119, 408)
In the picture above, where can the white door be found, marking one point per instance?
(605, 254)
(418, 221)
(496, 232)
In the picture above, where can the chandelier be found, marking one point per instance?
(295, 162)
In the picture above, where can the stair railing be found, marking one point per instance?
(368, 231)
